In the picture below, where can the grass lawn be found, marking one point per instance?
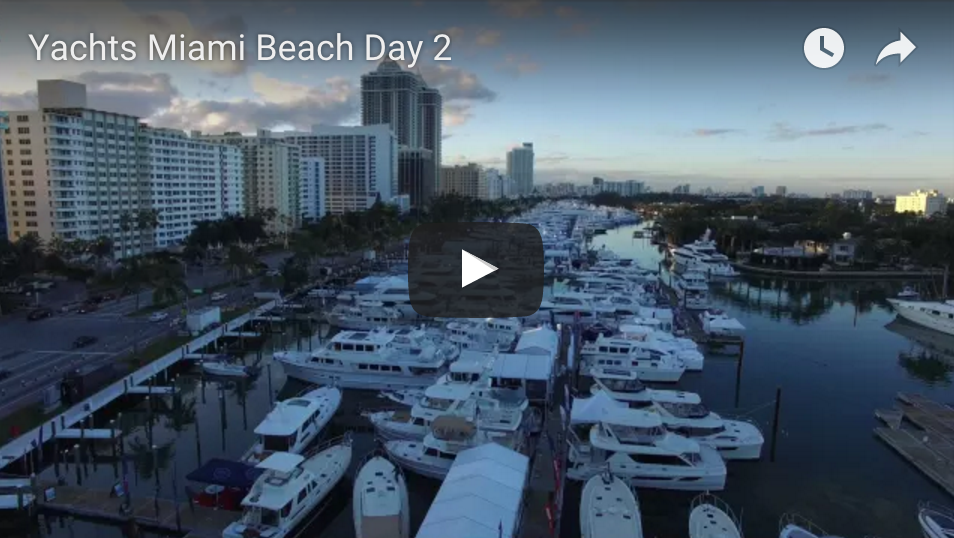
(156, 350)
(147, 310)
(25, 420)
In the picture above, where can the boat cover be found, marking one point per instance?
(591, 410)
(226, 473)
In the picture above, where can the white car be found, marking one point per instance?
(158, 316)
(218, 296)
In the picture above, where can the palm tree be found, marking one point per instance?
(239, 261)
(168, 283)
(126, 221)
(134, 274)
(102, 249)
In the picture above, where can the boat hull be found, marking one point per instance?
(368, 524)
(410, 456)
(921, 318)
(349, 380)
(713, 482)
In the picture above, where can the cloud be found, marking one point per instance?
(488, 38)
(713, 132)
(578, 29)
(518, 64)
(869, 79)
(556, 157)
(457, 114)
(784, 131)
(455, 33)
(567, 12)
(76, 20)
(518, 9)
(136, 94)
(456, 84)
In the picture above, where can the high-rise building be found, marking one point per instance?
(416, 175)
(758, 192)
(629, 187)
(3, 153)
(520, 168)
(682, 189)
(853, 194)
(598, 183)
(468, 180)
(925, 203)
(312, 192)
(402, 99)
(781, 190)
(361, 164)
(190, 179)
(271, 176)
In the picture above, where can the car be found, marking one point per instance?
(273, 272)
(39, 313)
(87, 307)
(107, 297)
(218, 296)
(158, 316)
(84, 341)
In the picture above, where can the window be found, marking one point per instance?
(26, 162)
(23, 118)
(23, 130)
(25, 152)
(301, 495)
(29, 193)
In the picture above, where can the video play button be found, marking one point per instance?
(473, 268)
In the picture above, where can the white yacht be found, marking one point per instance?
(682, 413)
(936, 521)
(635, 446)
(720, 325)
(650, 360)
(484, 334)
(685, 349)
(450, 434)
(376, 360)
(223, 368)
(493, 408)
(932, 314)
(609, 509)
(711, 517)
(792, 525)
(692, 290)
(394, 292)
(366, 316)
(289, 489)
(380, 503)
(294, 423)
(701, 255)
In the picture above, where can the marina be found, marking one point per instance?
(146, 441)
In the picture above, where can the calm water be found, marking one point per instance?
(835, 364)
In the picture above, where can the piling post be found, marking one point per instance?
(112, 446)
(122, 444)
(738, 373)
(56, 451)
(76, 462)
(778, 409)
(271, 395)
(198, 441)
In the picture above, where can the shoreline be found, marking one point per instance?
(834, 275)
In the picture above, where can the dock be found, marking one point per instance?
(158, 514)
(929, 445)
(93, 434)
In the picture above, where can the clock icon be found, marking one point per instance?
(824, 48)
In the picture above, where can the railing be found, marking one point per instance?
(345, 439)
(792, 518)
(719, 504)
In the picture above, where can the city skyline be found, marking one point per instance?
(528, 71)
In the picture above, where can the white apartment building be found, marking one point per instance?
(312, 194)
(191, 180)
(520, 168)
(855, 194)
(926, 203)
(473, 181)
(490, 185)
(630, 187)
(361, 164)
(271, 176)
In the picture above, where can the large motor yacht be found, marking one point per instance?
(484, 334)
(376, 360)
(650, 360)
(294, 423)
(366, 316)
(290, 487)
(692, 290)
(683, 413)
(931, 314)
(635, 446)
(701, 255)
(685, 349)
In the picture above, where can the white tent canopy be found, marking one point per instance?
(511, 365)
(591, 410)
(481, 496)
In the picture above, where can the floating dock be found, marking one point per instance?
(929, 446)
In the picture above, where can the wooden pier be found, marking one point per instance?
(147, 512)
(929, 446)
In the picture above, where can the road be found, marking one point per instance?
(37, 353)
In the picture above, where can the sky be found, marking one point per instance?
(715, 94)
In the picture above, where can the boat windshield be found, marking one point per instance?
(255, 517)
(463, 377)
(637, 436)
(686, 410)
(630, 386)
(693, 458)
(278, 443)
(440, 404)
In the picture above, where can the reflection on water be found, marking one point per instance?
(824, 344)
(931, 357)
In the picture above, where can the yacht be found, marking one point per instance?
(718, 324)
(366, 316)
(792, 525)
(635, 446)
(650, 360)
(701, 255)
(394, 292)
(290, 487)
(685, 349)
(376, 360)
(449, 435)
(494, 408)
(224, 369)
(932, 314)
(936, 521)
(380, 504)
(908, 294)
(711, 517)
(294, 423)
(682, 413)
(484, 334)
(609, 509)
(692, 290)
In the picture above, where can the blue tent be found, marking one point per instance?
(226, 473)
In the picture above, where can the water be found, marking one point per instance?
(835, 364)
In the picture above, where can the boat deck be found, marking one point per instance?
(196, 521)
(929, 447)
